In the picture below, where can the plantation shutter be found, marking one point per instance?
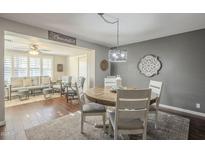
(47, 67)
(35, 66)
(20, 66)
(7, 69)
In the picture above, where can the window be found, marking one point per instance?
(20, 66)
(47, 67)
(7, 69)
(24, 66)
(35, 66)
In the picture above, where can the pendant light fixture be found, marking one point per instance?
(115, 54)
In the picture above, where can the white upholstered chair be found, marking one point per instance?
(89, 108)
(156, 87)
(130, 116)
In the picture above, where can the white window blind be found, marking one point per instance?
(20, 66)
(35, 66)
(24, 66)
(7, 68)
(47, 67)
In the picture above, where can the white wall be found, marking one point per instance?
(100, 54)
(2, 109)
(59, 60)
(73, 67)
(75, 70)
(8, 25)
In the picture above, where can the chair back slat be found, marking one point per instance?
(133, 94)
(132, 114)
(132, 104)
(156, 87)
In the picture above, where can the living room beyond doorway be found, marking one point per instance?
(36, 69)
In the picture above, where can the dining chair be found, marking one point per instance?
(130, 115)
(62, 83)
(71, 90)
(156, 87)
(89, 108)
(66, 79)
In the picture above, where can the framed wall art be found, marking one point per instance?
(149, 65)
(59, 67)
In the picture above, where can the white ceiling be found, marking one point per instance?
(133, 27)
(22, 43)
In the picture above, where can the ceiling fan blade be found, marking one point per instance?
(23, 47)
(44, 50)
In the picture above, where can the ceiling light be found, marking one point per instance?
(115, 54)
(34, 50)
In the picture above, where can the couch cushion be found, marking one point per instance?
(17, 88)
(36, 81)
(45, 80)
(27, 82)
(126, 123)
(33, 87)
(17, 82)
(45, 86)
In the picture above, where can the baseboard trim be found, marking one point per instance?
(2, 123)
(183, 111)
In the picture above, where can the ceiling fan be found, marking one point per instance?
(35, 50)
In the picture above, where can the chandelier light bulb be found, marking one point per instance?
(114, 55)
(122, 55)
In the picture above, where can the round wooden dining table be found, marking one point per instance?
(104, 96)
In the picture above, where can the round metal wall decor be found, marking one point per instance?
(149, 65)
(104, 65)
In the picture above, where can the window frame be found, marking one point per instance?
(28, 68)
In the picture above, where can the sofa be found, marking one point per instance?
(30, 83)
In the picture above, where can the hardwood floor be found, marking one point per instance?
(26, 116)
(196, 127)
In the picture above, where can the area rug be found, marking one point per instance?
(16, 101)
(171, 127)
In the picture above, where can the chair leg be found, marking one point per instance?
(115, 134)
(104, 118)
(10, 95)
(66, 97)
(144, 135)
(156, 119)
(110, 128)
(82, 122)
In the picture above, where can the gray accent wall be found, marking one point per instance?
(183, 68)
